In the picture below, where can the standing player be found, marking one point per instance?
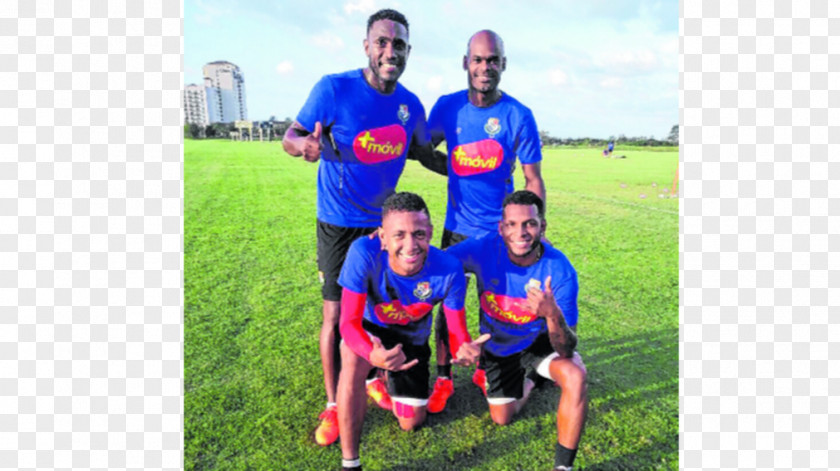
(390, 285)
(360, 124)
(528, 298)
(485, 131)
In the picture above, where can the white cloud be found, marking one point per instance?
(208, 11)
(285, 67)
(638, 61)
(641, 60)
(362, 6)
(328, 41)
(558, 77)
(434, 83)
(612, 82)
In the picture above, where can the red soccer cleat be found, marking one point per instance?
(480, 380)
(440, 394)
(377, 391)
(327, 431)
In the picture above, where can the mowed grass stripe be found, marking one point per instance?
(252, 379)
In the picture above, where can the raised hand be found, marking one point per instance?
(389, 359)
(312, 144)
(469, 352)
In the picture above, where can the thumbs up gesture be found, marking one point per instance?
(312, 144)
(541, 303)
(389, 359)
(469, 352)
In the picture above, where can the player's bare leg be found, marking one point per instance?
(443, 387)
(409, 417)
(328, 342)
(570, 375)
(502, 414)
(352, 401)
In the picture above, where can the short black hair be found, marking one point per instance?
(525, 198)
(387, 14)
(404, 202)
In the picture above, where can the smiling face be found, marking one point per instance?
(485, 62)
(522, 229)
(405, 235)
(387, 49)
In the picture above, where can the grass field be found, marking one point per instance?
(252, 379)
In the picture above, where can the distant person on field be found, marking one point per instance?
(528, 304)
(361, 124)
(485, 131)
(390, 285)
(608, 151)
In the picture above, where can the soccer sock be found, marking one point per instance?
(444, 371)
(353, 464)
(330, 404)
(563, 456)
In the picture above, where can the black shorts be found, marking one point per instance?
(414, 382)
(505, 375)
(448, 239)
(333, 244)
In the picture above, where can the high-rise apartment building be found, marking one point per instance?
(195, 105)
(224, 86)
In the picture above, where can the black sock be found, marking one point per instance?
(564, 456)
(444, 371)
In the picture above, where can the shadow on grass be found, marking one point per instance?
(639, 370)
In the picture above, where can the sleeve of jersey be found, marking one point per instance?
(352, 312)
(320, 106)
(435, 126)
(565, 294)
(453, 309)
(357, 265)
(465, 253)
(529, 150)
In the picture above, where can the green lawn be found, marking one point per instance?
(252, 313)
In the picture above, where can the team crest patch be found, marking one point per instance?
(492, 127)
(423, 290)
(403, 113)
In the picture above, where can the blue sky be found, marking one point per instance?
(590, 68)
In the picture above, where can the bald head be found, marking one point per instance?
(485, 61)
(489, 37)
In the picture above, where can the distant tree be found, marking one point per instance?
(195, 131)
(209, 131)
(674, 135)
(280, 127)
(186, 130)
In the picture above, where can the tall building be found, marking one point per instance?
(225, 89)
(195, 105)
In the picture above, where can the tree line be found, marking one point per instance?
(278, 129)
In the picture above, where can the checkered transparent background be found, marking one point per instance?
(90, 234)
(759, 235)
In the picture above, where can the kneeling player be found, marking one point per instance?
(390, 285)
(528, 304)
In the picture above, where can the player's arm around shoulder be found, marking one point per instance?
(422, 149)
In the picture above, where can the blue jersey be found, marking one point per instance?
(402, 303)
(503, 287)
(365, 147)
(482, 145)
